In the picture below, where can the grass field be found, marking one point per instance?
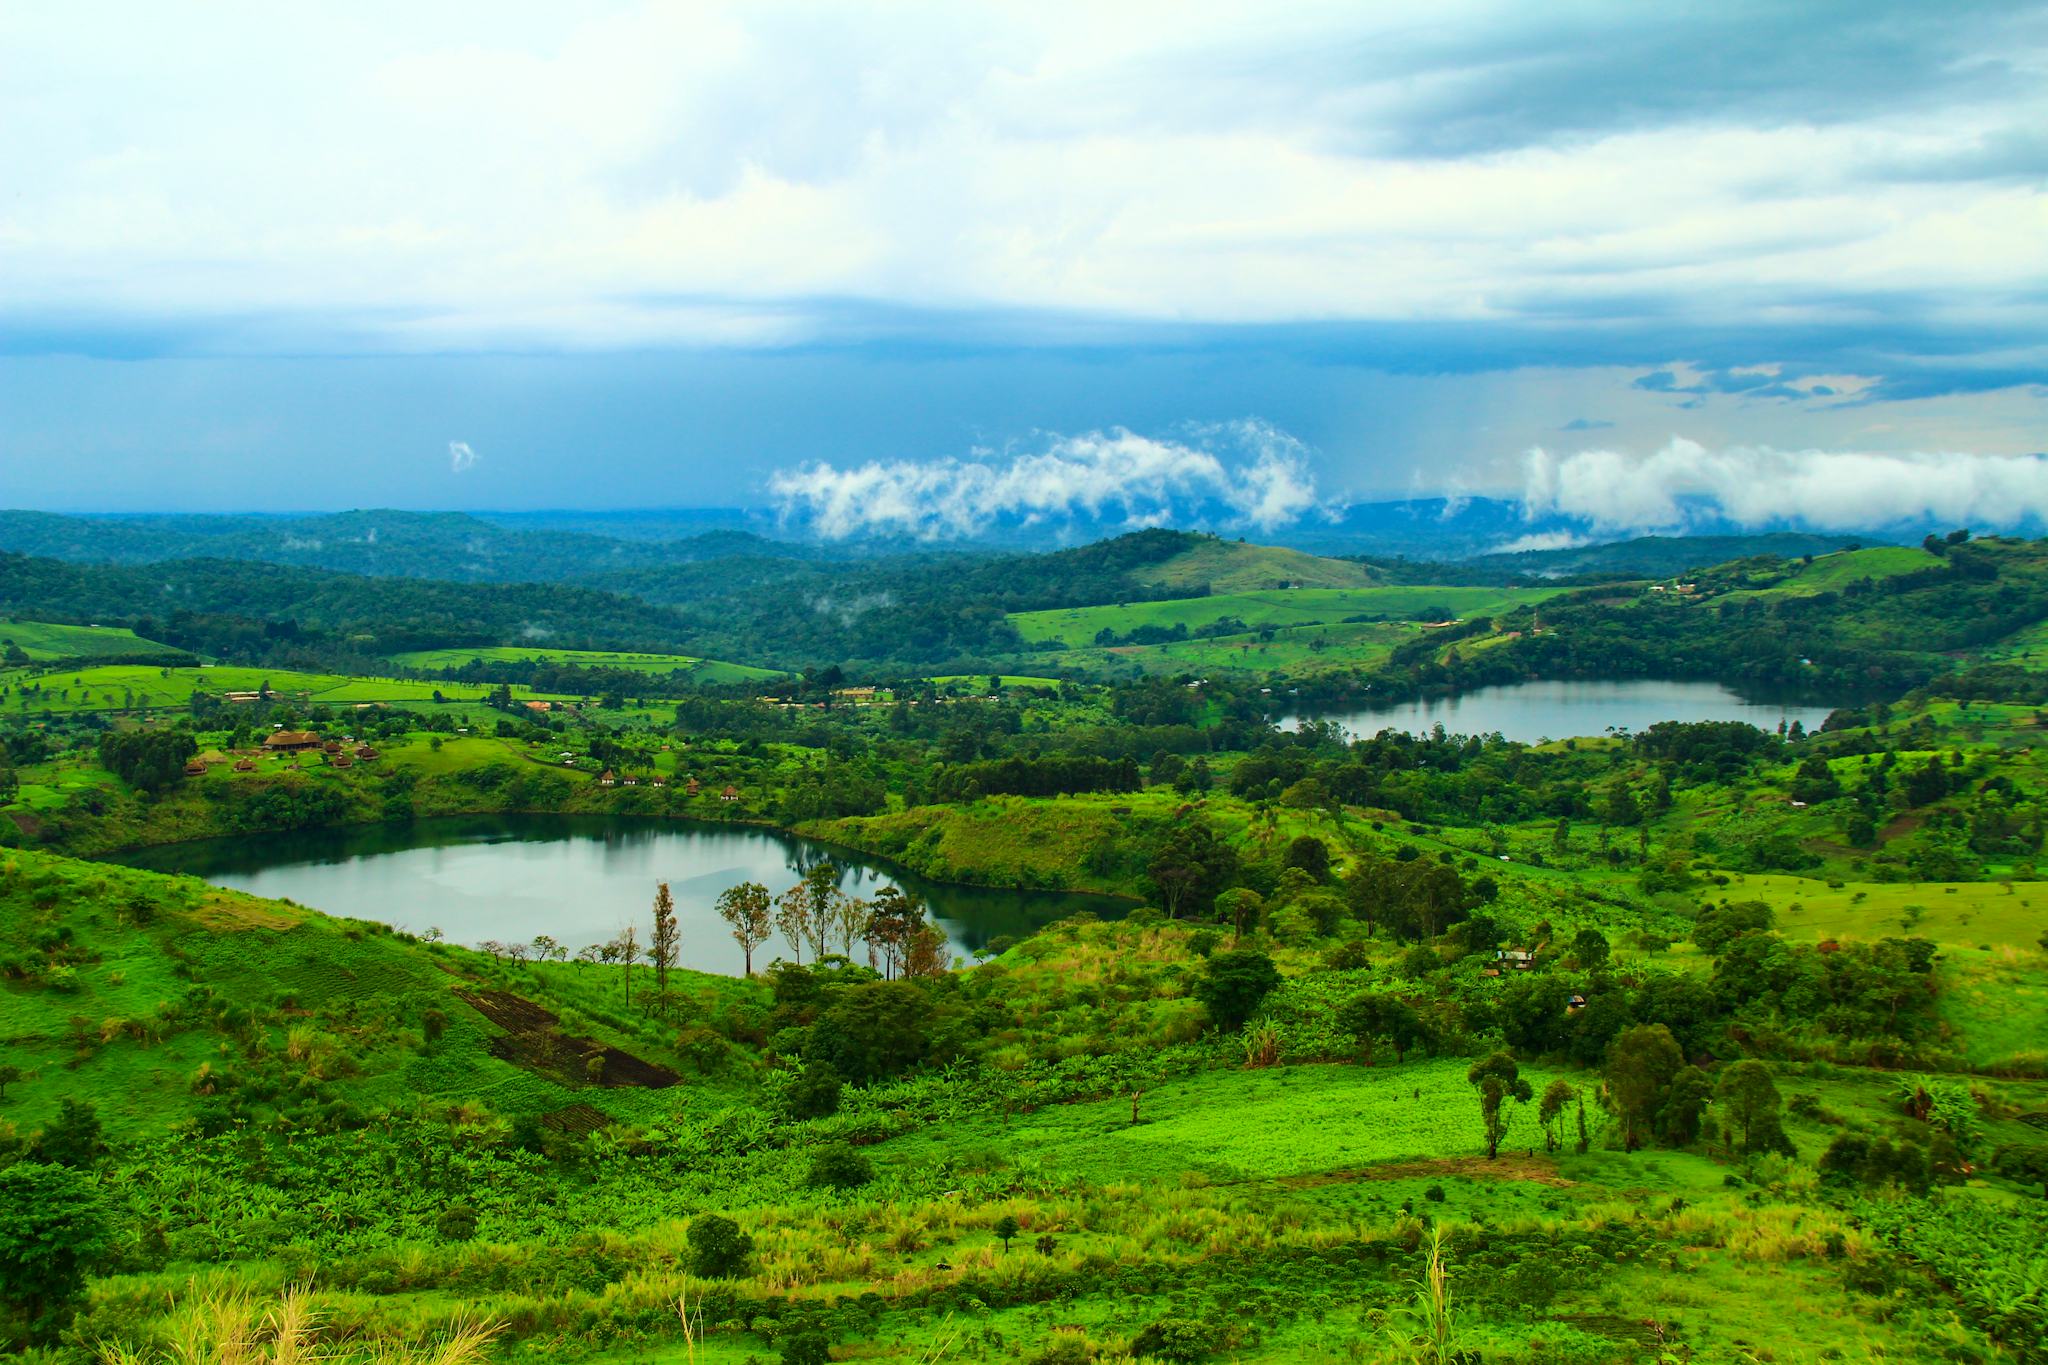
(1293, 649)
(128, 687)
(1280, 608)
(1958, 915)
(43, 640)
(1233, 566)
(707, 670)
(1831, 573)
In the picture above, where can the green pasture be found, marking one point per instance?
(44, 640)
(1279, 608)
(709, 670)
(1234, 566)
(1296, 650)
(1832, 573)
(1958, 915)
(1233, 1125)
(129, 687)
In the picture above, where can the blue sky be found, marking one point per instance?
(671, 255)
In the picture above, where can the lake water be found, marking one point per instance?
(1535, 711)
(578, 878)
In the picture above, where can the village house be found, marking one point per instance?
(290, 741)
(606, 779)
(693, 787)
(729, 794)
(244, 765)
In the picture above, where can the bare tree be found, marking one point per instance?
(625, 948)
(746, 908)
(661, 948)
(793, 916)
(851, 921)
(547, 950)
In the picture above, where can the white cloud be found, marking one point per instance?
(704, 173)
(1257, 472)
(1756, 485)
(1541, 540)
(461, 458)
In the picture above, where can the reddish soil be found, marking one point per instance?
(532, 1040)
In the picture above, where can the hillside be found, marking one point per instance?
(1234, 566)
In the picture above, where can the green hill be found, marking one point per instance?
(1234, 566)
(164, 1001)
(45, 640)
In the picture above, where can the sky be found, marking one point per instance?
(953, 261)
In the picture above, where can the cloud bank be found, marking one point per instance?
(461, 458)
(1685, 483)
(1257, 473)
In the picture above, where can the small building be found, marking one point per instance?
(332, 746)
(366, 754)
(195, 769)
(631, 780)
(660, 781)
(693, 787)
(338, 760)
(731, 793)
(290, 741)
(1520, 959)
(244, 765)
(606, 779)
(1575, 1004)
(540, 706)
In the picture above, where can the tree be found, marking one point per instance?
(1240, 905)
(1005, 1228)
(73, 1137)
(1750, 1109)
(1498, 1080)
(1685, 1100)
(1590, 949)
(662, 945)
(718, 1249)
(1641, 1062)
(793, 917)
(624, 949)
(1189, 867)
(1311, 855)
(872, 1030)
(1557, 1097)
(893, 926)
(9, 1075)
(51, 1229)
(1370, 1017)
(746, 908)
(1233, 985)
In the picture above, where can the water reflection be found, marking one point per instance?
(579, 879)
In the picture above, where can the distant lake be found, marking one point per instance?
(1535, 711)
(580, 879)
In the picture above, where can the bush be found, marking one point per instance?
(839, 1167)
(814, 1094)
(718, 1249)
(456, 1223)
(1180, 1341)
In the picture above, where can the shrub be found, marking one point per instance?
(457, 1223)
(1179, 1341)
(718, 1249)
(839, 1167)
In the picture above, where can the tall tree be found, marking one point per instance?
(892, 927)
(746, 908)
(51, 1228)
(1750, 1109)
(1557, 1097)
(793, 917)
(1498, 1080)
(663, 944)
(625, 948)
(1641, 1063)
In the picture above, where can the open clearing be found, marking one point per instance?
(44, 640)
(1276, 607)
(709, 670)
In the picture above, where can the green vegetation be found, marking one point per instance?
(42, 641)
(1703, 1044)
